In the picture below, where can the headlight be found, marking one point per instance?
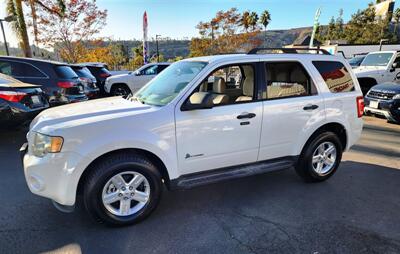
(397, 96)
(43, 144)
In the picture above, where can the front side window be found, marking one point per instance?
(378, 59)
(17, 69)
(166, 86)
(336, 76)
(287, 79)
(152, 70)
(229, 84)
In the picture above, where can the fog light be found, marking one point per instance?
(35, 183)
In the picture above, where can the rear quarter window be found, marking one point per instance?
(336, 76)
(65, 72)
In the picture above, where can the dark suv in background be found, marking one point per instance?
(384, 100)
(88, 81)
(100, 72)
(58, 81)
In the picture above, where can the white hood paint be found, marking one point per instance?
(85, 112)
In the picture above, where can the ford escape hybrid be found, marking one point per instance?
(201, 120)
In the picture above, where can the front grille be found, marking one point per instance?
(380, 95)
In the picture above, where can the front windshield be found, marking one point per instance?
(380, 59)
(355, 61)
(167, 85)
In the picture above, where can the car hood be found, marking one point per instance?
(368, 70)
(85, 112)
(119, 76)
(388, 87)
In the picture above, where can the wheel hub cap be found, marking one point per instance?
(126, 193)
(324, 158)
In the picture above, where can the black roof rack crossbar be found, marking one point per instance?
(289, 50)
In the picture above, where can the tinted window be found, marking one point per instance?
(161, 68)
(65, 72)
(18, 69)
(5, 68)
(378, 59)
(287, 79)
(336, 76)
(83, 72)
(152, 70)
(356, 61)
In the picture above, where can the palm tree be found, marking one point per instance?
(245, 20)
(253, 20)
(396, 17)
(265, 19)
(14, 8)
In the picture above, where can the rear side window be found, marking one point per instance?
(83, 72)
(17, 69)
(160, 68)
(336, 76)
(287, 79)
(65, 72)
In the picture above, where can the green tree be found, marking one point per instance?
(339, 25)
(265, 19)
(245, 20)
(331, 29)
(253, 20)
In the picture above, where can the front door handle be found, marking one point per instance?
(310, 107)
(246, 116)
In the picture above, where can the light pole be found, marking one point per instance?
(158, 55)
(6, 19)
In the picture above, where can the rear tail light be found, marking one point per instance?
(12, 96)
(65, 84)
(360, 106)
(105, 75)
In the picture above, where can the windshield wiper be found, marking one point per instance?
(134, 98)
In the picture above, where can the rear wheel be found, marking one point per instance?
(120, 90)
(122, 189)
(320, 157)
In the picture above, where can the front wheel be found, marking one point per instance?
(122, 189)
(320, 157)
(120, 90)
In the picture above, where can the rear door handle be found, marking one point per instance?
(246, 116)
(310, 107)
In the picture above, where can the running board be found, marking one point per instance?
(218, 175)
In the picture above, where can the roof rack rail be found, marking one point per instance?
(289, 50)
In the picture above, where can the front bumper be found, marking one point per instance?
(54, 176)
(387, 108)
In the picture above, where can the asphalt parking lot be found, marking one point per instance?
(356, 211)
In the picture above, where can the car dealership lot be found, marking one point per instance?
(355, 211)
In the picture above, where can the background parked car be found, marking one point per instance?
(19, 102)
(384, 100)
(88, 81)
(59, 82)
(100, 72)
(356, 61)
(125, 84)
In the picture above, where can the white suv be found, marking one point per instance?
(200, 121)
(378, 67)
(131, 82)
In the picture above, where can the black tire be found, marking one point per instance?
(120, 90)
(103, 170)
(304, 167)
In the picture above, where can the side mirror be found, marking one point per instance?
(199, 100)
(394, 67)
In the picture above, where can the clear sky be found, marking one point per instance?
(178, 18)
